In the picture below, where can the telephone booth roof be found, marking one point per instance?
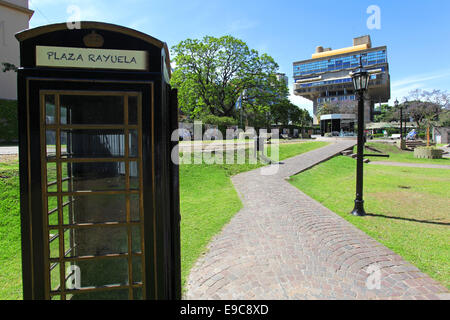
(31, 34)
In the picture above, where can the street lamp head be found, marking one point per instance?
(360, 78)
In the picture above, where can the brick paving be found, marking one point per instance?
(284, 245)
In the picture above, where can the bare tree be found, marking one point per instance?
(426, 107)
(438, 97)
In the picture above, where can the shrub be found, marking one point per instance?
(378, 135)
(422, 135)
(392, 131)
(222, 123)
(218, 121)
(9, 127)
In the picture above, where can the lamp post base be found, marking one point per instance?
(359, 209)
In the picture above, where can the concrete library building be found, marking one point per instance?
(326, 79)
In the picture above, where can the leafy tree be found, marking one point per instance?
(279, 112)
(444, 118)
(305, 119)
(286, 113)
(9, 67)
(257, 115)
(387, 114)
(257, 102)
(211, 74)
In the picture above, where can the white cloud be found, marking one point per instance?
(402, 87)
(400, 93)
(300, 101)
(421, 78)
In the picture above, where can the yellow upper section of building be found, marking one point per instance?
(340, 51)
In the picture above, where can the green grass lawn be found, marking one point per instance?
(10, 246)
(409, 208)
(397, 155)
(291, 150)
(208, 202)
(200, 142)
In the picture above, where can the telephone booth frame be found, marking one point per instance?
(98, 187)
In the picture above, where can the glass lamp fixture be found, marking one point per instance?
(360, 78)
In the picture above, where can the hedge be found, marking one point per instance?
(9, 129)
(378, 135)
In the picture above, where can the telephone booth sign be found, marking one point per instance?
(99, 192)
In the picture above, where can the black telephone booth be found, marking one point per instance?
(99, 192)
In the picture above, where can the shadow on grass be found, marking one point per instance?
(407, 219)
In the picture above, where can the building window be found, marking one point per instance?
(370, 58)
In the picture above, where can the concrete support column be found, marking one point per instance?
(315, 107)
(368, 107)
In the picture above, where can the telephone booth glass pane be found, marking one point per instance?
(90, 110)
(93, 194)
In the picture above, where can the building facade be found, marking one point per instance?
(326, 78)
(14, 17)
(441, 135)
(282, 77)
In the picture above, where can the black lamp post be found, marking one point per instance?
(401, 119)
(361, 83)
(405, 132)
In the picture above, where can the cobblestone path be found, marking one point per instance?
(285, 245)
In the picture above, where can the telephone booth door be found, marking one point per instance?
(92, 195)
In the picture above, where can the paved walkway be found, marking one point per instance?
(446, 149)
(227, 145)
(412, 165)
(284, 245)
(9, 150)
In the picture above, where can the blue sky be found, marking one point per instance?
(416, 32)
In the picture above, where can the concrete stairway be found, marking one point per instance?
(412, 144)
(349, 153)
